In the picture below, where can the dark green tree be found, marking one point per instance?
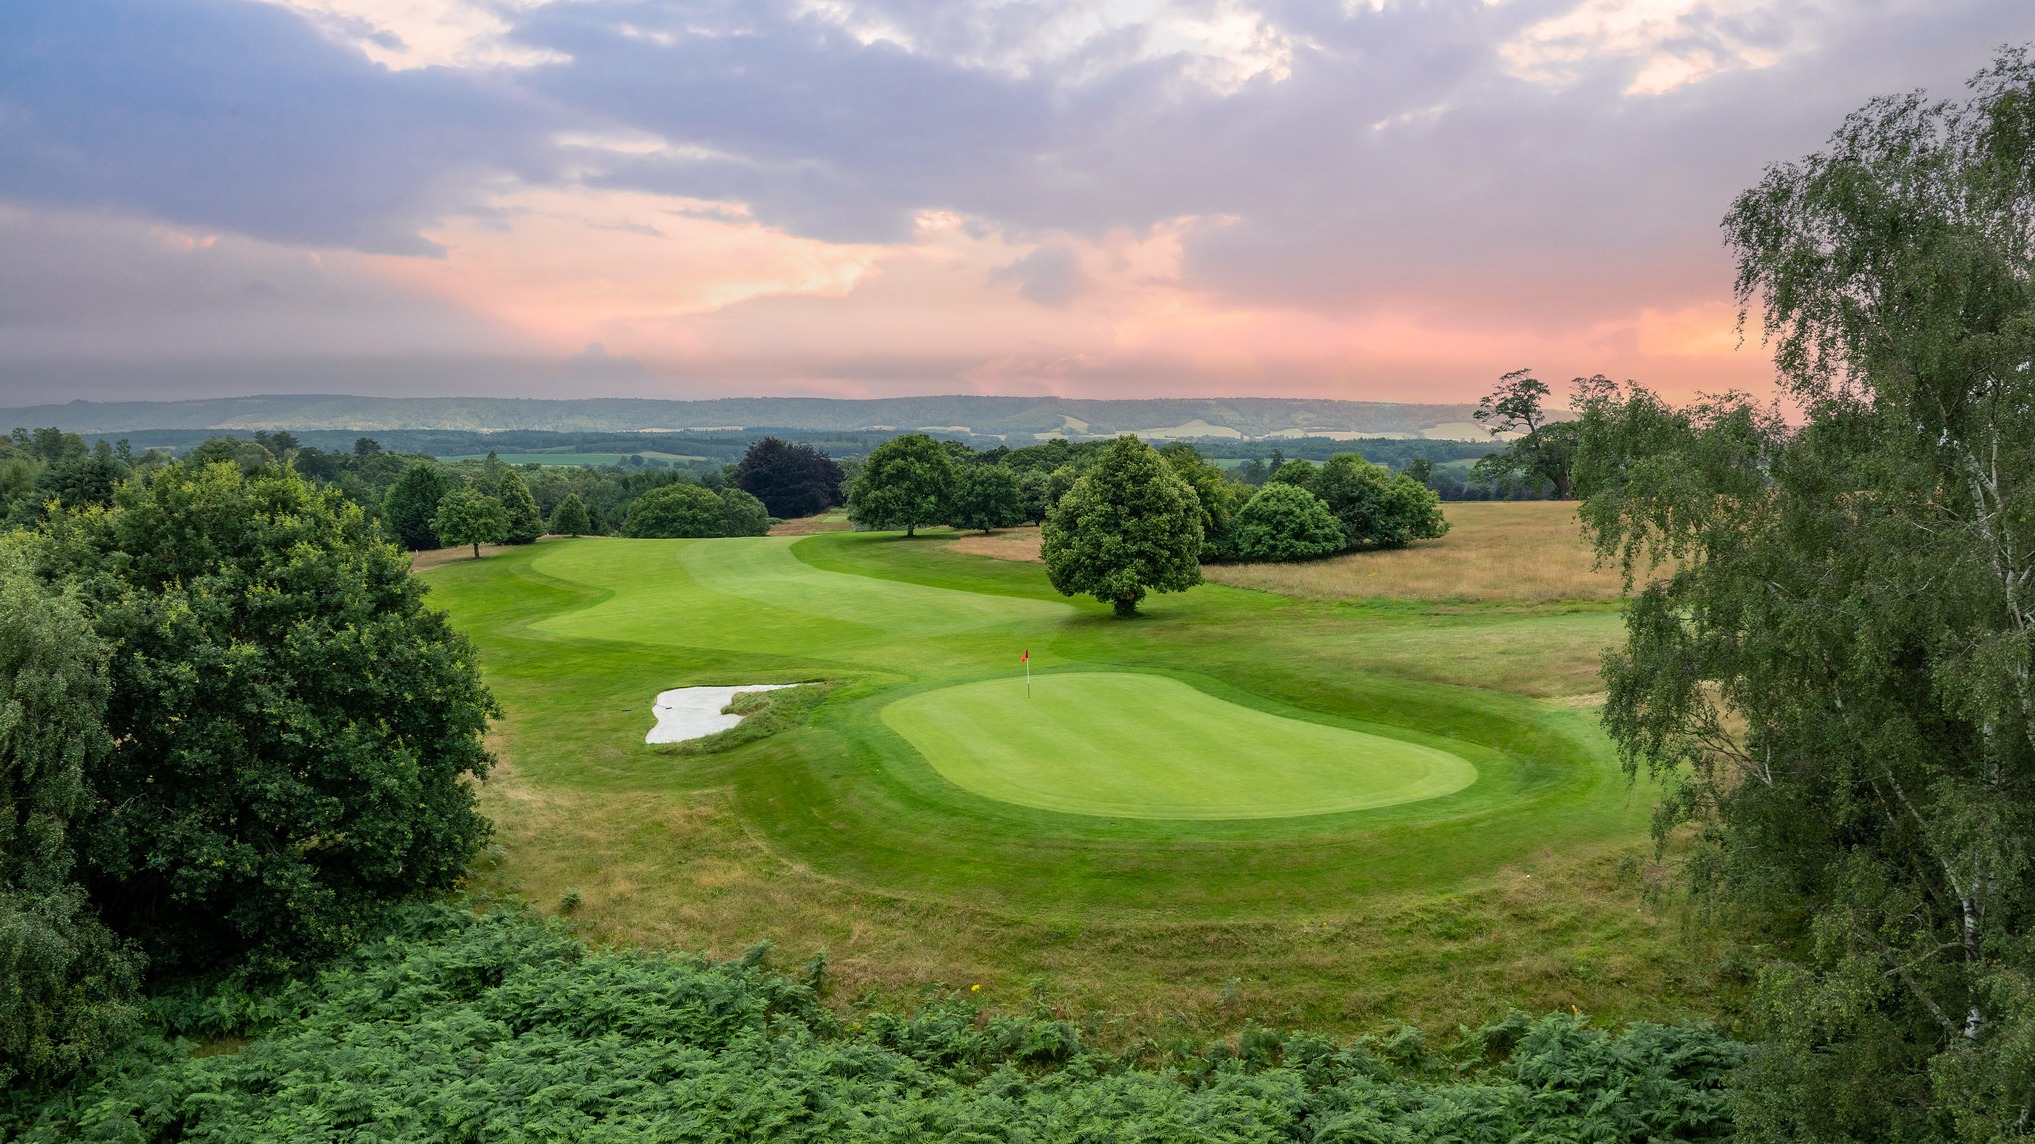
(1375, 508)
(467, 516)
(1129, 526)
(1836, 673)
(294, 733)
(1545, 451)
(904, 484)
(742, 514)
(1213, 490)
(1299, 471)
(67, 986)
(570, 517)
(1062, 478)
(985, 497)
(678, 510)
(411, 503)
(525, 523)
(1283, 521)
(790, 480)
(1034, 496)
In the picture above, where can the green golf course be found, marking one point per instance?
(1230, 754)
(1133, 745)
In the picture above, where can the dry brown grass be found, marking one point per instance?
(1496, 551)
(833, 520)
(1528, 552)
(1010, 544)
(433, 557)
(673, 871)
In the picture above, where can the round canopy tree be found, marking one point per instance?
(678, 510)
(985, 497)
(1285, 522)
(1376, 509)
(904, 484)
(294, 732)
(570, 517)
(1129, 526)
(742, 514)
(466, 517)
(790, 480)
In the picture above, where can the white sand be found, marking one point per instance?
(693, 712)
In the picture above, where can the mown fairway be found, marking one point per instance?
(1235, 759)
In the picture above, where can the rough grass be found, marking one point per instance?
(1496, 551)
(832, 834)
(833, 520)
(1519, 552)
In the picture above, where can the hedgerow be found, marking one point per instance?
(498, 1027)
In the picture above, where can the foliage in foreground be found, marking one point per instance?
(472, 1028)
(67, 984)
(1838, 678)
(293, 732)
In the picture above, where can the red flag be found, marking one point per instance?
(1025, 657)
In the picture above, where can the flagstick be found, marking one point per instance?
(1028, 677)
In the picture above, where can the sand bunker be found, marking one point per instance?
(693, 712)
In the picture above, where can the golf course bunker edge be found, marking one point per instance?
(1137, 745)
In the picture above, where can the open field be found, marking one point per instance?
(574, 459)
(1466, 859)
(1495, 552)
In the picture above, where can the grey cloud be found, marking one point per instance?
(1398, 161)
(124, 289)
(1050, 275)
(238, 115)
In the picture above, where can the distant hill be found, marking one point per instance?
(1252, 418)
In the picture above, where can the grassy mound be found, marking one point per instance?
(1137, 745)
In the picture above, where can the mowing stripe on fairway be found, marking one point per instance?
(1135, 745)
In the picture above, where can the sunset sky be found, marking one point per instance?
(1370, 199)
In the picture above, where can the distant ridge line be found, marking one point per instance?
(1246, 417)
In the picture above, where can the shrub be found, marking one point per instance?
(503, 1028)
(1374, 508)
(677, 510)
(742, 514)
(1285, 522)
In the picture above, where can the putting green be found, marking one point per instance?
(1135, 745)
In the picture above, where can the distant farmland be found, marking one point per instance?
(571, 459)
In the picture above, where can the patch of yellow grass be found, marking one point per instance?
(1010, 544)
(1529, 552)
(832, 520)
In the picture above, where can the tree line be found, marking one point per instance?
(1121, 518)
